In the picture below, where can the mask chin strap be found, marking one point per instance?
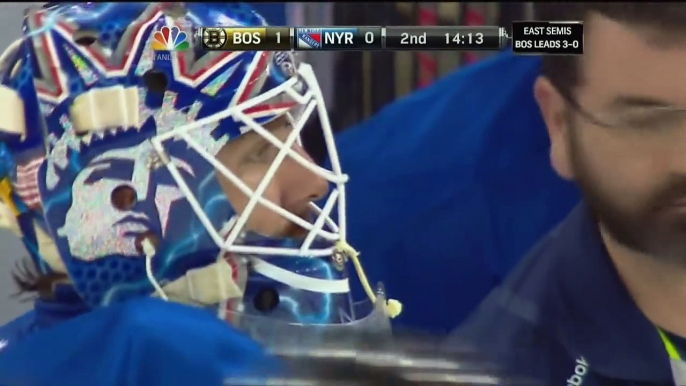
(393, 307)
(149, 251)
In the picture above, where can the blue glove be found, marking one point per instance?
(143, 342)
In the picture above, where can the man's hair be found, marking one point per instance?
(659, 18)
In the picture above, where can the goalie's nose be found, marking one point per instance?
(292, 186)
(302, 185)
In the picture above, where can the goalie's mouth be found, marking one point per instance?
(291, 231)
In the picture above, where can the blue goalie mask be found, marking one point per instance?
(160, 169)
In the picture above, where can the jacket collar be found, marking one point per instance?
(593, 314)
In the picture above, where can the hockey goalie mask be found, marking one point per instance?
(174, 172)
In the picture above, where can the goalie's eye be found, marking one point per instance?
(313, 141)
(264, 152)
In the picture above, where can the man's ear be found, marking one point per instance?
(553, 109)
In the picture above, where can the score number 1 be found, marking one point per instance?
(278, 39)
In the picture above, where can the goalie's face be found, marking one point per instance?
(293, 186)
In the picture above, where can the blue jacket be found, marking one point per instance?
(565, 316)
(144, 342)
(450, 186)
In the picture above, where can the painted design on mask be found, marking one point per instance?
(167, 118)
(85, 72)
(59, 154)
(285, 60)
(146, 61)
(94, 228)
(213, 87)
(46, 109)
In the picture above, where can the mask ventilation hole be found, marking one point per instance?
(123, 197)
(85, 38)
(155, 81)
(266, 299)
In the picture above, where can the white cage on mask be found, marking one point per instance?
(324, 227)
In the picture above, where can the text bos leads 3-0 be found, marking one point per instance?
(550, 38)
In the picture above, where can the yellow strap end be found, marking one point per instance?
(393, 308)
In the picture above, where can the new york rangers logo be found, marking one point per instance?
(310, 38)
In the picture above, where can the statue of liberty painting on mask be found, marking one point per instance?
(160, 169)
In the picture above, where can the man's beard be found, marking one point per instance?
(651, 227)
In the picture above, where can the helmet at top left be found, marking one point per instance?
(80, 75)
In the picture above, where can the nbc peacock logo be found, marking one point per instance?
(169, 39)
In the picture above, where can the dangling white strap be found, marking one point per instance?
(149, 251)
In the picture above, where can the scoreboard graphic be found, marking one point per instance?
(430, 38)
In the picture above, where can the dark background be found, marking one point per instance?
(367, 81)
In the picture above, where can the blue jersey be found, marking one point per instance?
(141, 342)
(450, 186)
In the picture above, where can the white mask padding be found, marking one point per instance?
(207, 285)
(311, 99)
(105, 108)
(12, 116)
